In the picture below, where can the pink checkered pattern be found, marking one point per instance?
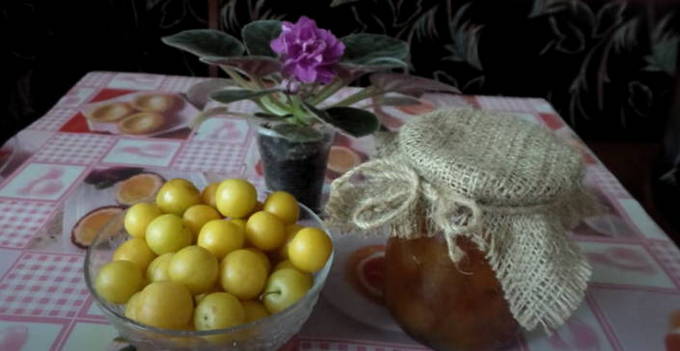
(54, 119)
(669, 257)
(44, 285)
(211, 157)
(21, 220)
(606, 181)
(179, 84)
(352, 346)
(41, 286)
(75, 148)
(96, 79)
(259, 184)
(513, 104)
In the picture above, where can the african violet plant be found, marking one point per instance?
(292, 68)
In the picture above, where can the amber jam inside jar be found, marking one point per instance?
(443, 306)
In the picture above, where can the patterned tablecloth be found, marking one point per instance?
(633, 301)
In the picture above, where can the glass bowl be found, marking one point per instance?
(265, 334)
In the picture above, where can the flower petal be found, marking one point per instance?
(308, 53)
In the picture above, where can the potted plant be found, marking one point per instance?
(290, 70)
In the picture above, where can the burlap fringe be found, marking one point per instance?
(517, 241)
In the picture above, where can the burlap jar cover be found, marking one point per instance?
(508, 185)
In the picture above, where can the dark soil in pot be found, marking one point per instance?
(295, 167)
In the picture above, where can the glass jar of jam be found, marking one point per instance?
(524, 187)
(445, 306)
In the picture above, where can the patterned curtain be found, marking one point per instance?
(607, 66)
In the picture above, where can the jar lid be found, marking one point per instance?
(493, 158)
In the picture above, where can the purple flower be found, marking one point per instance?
(308, 53)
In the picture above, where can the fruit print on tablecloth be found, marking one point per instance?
(668, 256)
(43, 285)
(223, 130)
(513, 104)
(179, 83)
(133, 112)
(142, 152)
(106, 191)
(528, 117)
(90, 336)
(54, 119)
(624, 265)
(351, 345)
(42, 181)
(611, 222)
(77, 96)
(74, 148)
(136, 81)
(604, 180)
(20, 221)
(15, 336)
(95, 79)
(354, 258)
(7, 259)
(18, 149)
(208, 156)
(630, 313)
(606, 303)
(581, 332)
(638, 219)
(552, 121)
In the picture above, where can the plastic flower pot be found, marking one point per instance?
(298, 167)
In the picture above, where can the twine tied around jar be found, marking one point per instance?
(401, 190)
(509, 186)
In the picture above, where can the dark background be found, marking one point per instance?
(608, 67)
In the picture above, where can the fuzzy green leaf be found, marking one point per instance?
(353, 121)
(664, 56)
(374, 50)
(231, 95)
(337, 3)
(409, 85)
(401, 100)
(257, 36)
(265, 115)
(199, 93)
(350, 72)
(297, 133)
(253, 66)
(205, 42)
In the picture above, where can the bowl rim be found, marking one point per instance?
(319, 282)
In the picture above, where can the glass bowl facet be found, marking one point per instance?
(265, 334)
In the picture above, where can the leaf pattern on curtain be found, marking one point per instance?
(665, 44)
(607, 66)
